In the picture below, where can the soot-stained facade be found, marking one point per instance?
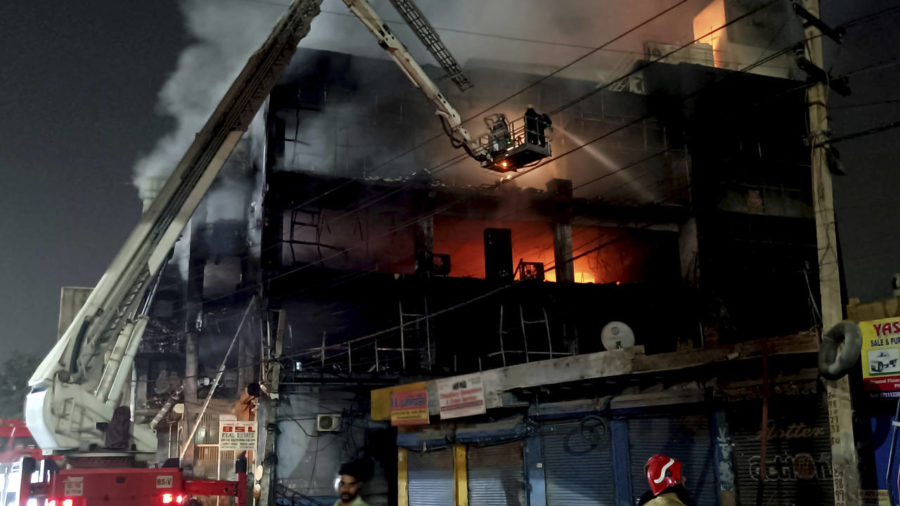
(678, 210)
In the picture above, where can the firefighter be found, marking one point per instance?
(533, 128)
(666, 483)
(245, 408)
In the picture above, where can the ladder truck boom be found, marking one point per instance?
(505, 148)
(80, 382)
(76, 387)
(386, 39)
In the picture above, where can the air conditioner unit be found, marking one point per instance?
(328, 423)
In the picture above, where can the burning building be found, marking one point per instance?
(676, 208)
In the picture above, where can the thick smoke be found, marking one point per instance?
(226, 32)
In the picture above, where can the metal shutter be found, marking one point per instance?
(578, 466)
(430, 476)
(797, 427)
(686, 438)
(496, 475)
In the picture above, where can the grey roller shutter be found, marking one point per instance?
(686, 438)
(430, 476)
(496, 475)
(578, 465)
(798, 453)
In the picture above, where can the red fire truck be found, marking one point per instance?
(49, 486)
(16, 441)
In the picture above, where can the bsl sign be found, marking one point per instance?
(237, 436)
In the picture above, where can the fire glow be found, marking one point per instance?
(711, 18)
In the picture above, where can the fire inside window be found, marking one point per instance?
(517, 144)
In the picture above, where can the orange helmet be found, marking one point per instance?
(662, 472)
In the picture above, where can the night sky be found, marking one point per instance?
(78, 106)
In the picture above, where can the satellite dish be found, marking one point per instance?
(616, 335)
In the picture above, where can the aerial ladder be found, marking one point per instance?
(79, 384)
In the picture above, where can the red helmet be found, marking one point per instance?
(662, 472)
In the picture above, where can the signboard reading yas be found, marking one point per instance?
(461, 396)
(409, 407)
(237, 436)
(881, 356)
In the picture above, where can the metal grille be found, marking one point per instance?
(798, 453)
(496, 475)
(686, 438)
(208, 430)
(206, 461)
(430, 476)
(578, 464)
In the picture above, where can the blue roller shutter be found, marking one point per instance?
(430, 476)
(686, 438)
(496, 475)
(578, 465)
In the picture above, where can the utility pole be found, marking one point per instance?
(268, 461)
(840, 419)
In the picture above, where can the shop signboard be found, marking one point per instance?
(409, 407)
(461, 396)
(881, 356)
(237, 435)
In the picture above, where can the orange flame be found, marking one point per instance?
(709, 19)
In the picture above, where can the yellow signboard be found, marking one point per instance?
(409, 407)
(381, 398)
(881, 356)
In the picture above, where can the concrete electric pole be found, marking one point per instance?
(843, 449)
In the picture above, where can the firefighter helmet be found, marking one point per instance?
(662, 472)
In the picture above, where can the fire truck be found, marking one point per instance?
(16, 441)
(79, 385)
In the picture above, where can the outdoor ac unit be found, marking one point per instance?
(328, 423)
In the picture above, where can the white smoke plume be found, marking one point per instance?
(226, 32)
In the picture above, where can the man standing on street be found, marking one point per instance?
(352, 476)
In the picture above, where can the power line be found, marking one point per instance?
(510, 97)
(457, 159)
(445, 165)
(863, 133)
(559, 157)
(866, 104)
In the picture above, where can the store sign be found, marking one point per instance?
(881, 356)
(789, 467)
(874, 498)
(461, 396)
(409, 407)
(797, 468)
(237, 436)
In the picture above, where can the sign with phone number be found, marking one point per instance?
(237, 436)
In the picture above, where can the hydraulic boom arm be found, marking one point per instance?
(386, 39)
(74, 388)
(80, 382)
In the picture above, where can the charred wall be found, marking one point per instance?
(751, 194)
